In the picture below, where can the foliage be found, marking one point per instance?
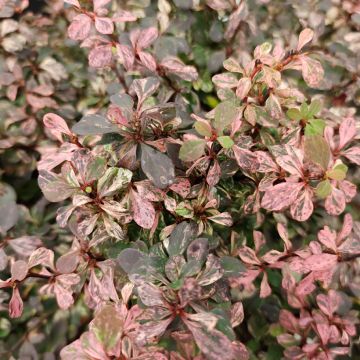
(179, 179)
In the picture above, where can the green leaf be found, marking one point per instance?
(203, 128)
(192, 150)
(294, 114)
(304, 111)
(225, 114)
(338, 172)
(317, 150)
(225, 141)
(232, 266)
(314, 108)
(323, 189)
(315, 127)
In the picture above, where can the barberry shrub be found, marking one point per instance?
(179, 179)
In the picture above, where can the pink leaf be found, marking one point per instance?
(104, 25)
(335, 203)
(248, 256)
(281, 196)
(147, 37)
(73, 2)
(19, 270)
(214, 174)
(289, 158)
(348, 188)
(288, 321)
(246, 159)
(16, 304)
(243, 87)
(328, 238)
(225, 80)
(181, 187)
(312, 71)
(353, 154)
(265, 289)
(100, 4)
(147, 60)
(328, 304)
(56, 126)
(127, 55)
(100, 56)
(143, 210)
(303, 206)
(305, 37)
(175, 66)
(80, 27)
(346, 228)
(347, 131)
(320, 262)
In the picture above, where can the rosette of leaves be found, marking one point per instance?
(182, 280)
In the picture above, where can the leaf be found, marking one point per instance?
(312, 71)
(212, 343)
(158, 167)
(315, 127)
(9, 213)
(143, 210)
(353, 154)
(177, 67)
(150, 295)
(323, 189)
(114, 180)
(16, 304)
(273, 107)
(243, 87)
(94, 125)
(147, 37)
(302, 207)
(248, 256)
(338, 172)
(80, 27)
(19, 270)
(198, 250)
(129, 259)
(145, 88)
(100, 56)
(192, 150)
(305, 37)
(225, 141)
(56, 126)
(41, 256)
(225, 80)
(232, 266)
(181, 237)
(203, 128)
(317, 150)
(214, 174)
(314, 108)
(223, 218)
(53, 186)
(280, 196)
(108, 326)
(225, 114)
(246, 159)
(289, 158)
(347, 131)
(104, 25)
(335, 203)
(294, 114)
